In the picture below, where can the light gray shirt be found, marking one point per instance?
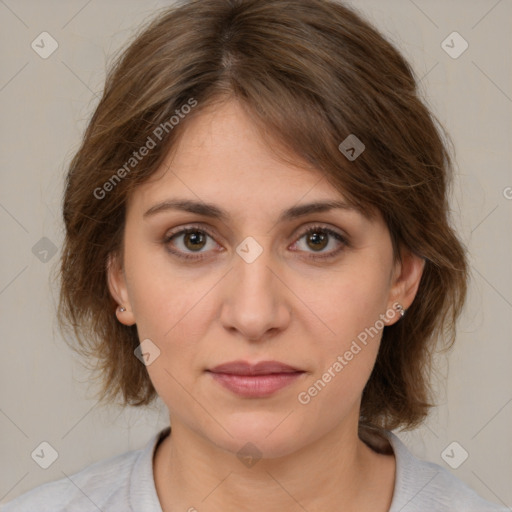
(125, 483)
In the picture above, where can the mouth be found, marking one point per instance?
(261, 368)
(255, 380)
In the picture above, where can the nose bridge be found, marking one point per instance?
(252, 271)
(255, 303)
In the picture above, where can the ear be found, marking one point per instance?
(118, 289)
(405, 281)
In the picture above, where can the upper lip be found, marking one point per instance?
(260, 368)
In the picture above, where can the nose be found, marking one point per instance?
(255, 299)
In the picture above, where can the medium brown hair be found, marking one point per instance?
(310, 73)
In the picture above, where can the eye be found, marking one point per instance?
(318, 238)
(191, 241)
(194, 238)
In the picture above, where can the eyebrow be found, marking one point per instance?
(213, 211)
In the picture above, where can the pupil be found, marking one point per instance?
(318, 237)
(195, 238)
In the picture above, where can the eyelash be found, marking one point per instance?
(314, 229)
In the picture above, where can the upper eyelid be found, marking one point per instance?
(302, 230)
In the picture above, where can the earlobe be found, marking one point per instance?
(116, 281)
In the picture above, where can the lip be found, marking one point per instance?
(255, 380)
(260, 368)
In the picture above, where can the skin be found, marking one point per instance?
(283, 306)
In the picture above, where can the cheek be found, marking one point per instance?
(164, 297)
(351, 302)
(344, 363)
(350, 309)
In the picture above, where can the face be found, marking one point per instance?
(310, 291)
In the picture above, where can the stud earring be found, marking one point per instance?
(122, 309)
(400, 309)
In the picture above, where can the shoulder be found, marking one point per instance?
(89, 489)
(107, 485)
(422, 485)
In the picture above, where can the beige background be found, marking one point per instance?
(45, 104)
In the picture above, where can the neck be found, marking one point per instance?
(333, 472)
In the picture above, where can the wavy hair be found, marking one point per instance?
(310, 73)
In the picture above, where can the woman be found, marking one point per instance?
(257, 233)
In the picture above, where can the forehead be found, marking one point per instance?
(221, 162)
(222, 158)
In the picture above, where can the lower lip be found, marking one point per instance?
(255, 386)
